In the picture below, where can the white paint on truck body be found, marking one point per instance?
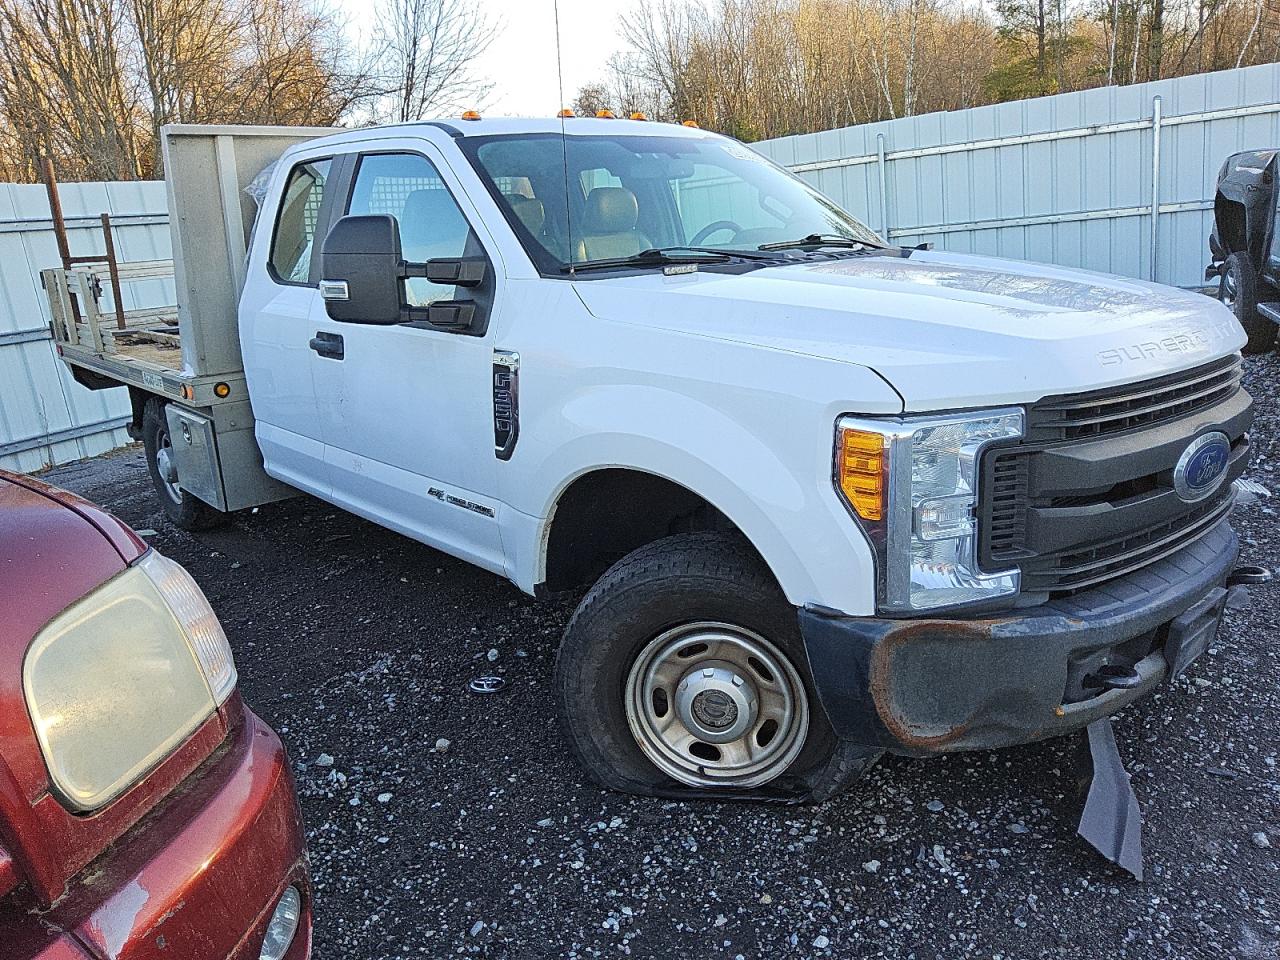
(729, 385)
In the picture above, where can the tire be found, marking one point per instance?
(186, 511)
(697, 591)
(1238, 290)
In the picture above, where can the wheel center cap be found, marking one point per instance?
(716, 703)
(715, 709)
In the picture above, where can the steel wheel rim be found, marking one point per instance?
(165, 467)
(716, 705)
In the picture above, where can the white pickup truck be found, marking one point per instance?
(830, 497)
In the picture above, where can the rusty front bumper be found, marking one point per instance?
(929, 686)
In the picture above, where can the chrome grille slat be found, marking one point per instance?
(1101, 413)
(1209, 394)
(1220, 371)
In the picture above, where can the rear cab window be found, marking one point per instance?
(296, 222)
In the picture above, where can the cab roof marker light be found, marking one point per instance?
(691, 123)
(606, 115)
(470, 114)
(565, 114)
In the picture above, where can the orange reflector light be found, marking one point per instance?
(470, 115)
(637, 115)
(691, 123)
(222, 389)
(188, 392)
(565, 113)
(606, 115)
(862, 472)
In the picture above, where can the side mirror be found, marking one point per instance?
(360, 264)
(458, 271)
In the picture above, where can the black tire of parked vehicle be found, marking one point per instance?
(1238, 289)
(186, 511)
(686, 578)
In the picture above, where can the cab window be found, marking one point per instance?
(408, 187)
(296, 221)
(609, 198)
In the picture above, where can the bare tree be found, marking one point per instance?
(91, 82)
(65, 87)
(431, 47)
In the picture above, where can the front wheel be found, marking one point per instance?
(1238, 290)
(186, 511)
(682, 673)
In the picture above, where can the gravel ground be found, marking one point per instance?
(357, 644)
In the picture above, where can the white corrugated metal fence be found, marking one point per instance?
(1066, 179)
(45, 416)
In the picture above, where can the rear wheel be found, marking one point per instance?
(186, 511)
(1238, 290)
(682, 673)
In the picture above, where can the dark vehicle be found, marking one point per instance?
(1246, 259)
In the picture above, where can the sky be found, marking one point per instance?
(521, 61)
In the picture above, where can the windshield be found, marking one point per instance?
(627, 194)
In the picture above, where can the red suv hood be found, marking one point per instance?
(34, 495)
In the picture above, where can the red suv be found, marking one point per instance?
(144, 811)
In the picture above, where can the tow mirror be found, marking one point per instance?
(459, 271)
(361, 266)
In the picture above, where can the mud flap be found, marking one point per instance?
(1111, 821)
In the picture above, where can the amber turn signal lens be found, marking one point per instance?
(222, 389)
(862, 472)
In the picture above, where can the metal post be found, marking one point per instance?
(1155, 183)
(884, 188)
(55, 211)
(114, 269)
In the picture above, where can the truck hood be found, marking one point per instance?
(946, 330)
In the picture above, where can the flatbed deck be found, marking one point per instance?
(149, 349)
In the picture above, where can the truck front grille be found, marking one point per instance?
(1088, 495)
(1151, 402)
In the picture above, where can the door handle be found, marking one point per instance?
(328, 345)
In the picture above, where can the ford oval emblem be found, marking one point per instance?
(1202, 466)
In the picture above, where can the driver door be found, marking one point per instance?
(406, 411)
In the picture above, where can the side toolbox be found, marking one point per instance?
(218, 459)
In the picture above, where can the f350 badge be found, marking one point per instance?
(506, 402)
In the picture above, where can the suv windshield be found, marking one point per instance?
(628, 194)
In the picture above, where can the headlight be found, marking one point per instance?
(122, 677)
(912, 485)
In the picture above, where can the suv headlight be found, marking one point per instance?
(912, 485)
(118, 680)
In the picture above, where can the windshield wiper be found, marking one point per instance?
(817, 240)
(653, 257)
(727, 251)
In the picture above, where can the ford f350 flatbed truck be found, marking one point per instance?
(830, 497)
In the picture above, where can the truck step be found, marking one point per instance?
(1271, 311)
